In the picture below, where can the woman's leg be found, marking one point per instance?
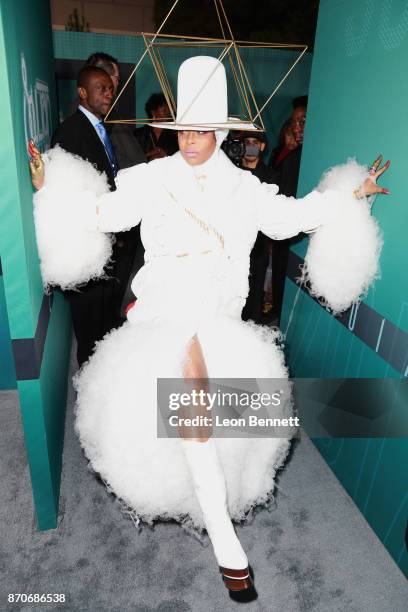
(206, 470)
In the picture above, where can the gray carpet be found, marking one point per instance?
(313, 551)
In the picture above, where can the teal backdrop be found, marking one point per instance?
(357, 107)
(7, 371)
(36, 329)
(266, 67)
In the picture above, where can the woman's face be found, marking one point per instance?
(298, 121)
(196, 147)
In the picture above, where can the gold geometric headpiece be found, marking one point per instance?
(229, 52)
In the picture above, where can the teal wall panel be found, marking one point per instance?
(39, 326)
(357, 107)
(11, 235)
(53, 383)
(7, 371)
(28, 110)
(39, 461)
(43, 403)
(318, 346)
(372, 472)
(79, 45)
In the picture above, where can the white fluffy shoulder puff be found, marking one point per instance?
(342, 260)
(70, 253)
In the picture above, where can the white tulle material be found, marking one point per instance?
(116, 419)
(69, 253)
(343, 256)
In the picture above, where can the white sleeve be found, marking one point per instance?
(119, 210)
(342, 260)
(281, 217)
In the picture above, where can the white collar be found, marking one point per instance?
(92, 118)
(205, 170)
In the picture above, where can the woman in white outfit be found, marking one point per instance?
(200, 216)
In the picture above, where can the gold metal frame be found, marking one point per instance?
(251, 111)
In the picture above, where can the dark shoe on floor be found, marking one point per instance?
(244, 596)
(240, 584)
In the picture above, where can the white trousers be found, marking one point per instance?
(210, 489)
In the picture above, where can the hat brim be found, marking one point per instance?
(231, 124)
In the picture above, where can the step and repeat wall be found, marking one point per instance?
(357, 107)
(35, 328)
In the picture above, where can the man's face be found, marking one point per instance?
(97, 95)
(253, 148)
(298, 121)
(196, 147)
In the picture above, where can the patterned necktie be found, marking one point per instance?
(108, 146)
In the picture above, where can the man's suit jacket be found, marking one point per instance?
(127, 149)
(77, 135)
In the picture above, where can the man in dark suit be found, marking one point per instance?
(128, 152)
(94, 307)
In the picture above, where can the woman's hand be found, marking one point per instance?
(36, 166)
(370, 187)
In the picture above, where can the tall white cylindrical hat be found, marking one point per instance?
(202, 98)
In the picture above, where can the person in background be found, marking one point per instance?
(255, 145)
(128, 153)
(286, 144)
(286, 177)
(289, 167)
(155, 141)
(93, 308)
(127, 148)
